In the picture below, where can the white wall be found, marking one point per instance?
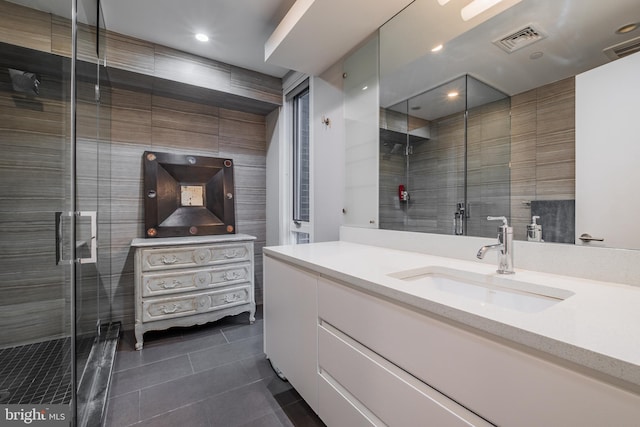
(607, 153)
(274, 208)
(327, 151)
(344, 161)
(361, 112)
(328, 154)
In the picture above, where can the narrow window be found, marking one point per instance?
(300, 165)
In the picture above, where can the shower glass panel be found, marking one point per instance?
(55, 311)
(93, 203)
(35, 270)
(444, 160)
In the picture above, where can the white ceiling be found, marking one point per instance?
(315, 34)
(324, 30)
(577, 32)
(237, 29)
(310, 39)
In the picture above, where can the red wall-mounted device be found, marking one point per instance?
(403, 195)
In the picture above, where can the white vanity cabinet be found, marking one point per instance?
(290, 326)
(186, 281)
(504, 385)
(380, 362)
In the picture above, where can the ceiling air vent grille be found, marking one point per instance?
(623, 49)
(519, 39)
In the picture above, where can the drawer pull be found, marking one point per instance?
(168, 310)
(169, 260)
(232, 275)
(171, 284)
(231, 253)
(232, 297)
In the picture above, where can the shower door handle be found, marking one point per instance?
(93, 244)
(59, 222)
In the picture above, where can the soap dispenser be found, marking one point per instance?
(534, 230)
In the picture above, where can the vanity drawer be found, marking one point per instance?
(153, 259)
(389, 394)
(335, 408)
(176, 281)
(195, 303)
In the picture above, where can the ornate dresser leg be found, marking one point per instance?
(139, 332)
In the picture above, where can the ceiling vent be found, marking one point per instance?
(623, 49)
(519, 39)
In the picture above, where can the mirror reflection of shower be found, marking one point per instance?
(447, 147)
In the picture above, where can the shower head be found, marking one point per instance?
(395, 149)
(24, 82)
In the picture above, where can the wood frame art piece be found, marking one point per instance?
(187, 195)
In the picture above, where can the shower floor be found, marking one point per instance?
(39, 373)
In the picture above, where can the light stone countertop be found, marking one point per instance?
(598, 327)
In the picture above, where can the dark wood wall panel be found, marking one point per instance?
(171, 64)
(61, 39)
(25, 27)
(130, 54)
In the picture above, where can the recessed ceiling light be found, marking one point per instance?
(536, 55)
(443, 2)
(627, 28)
(202, 37)
(365, 87)
(452, 94)
(437, 48)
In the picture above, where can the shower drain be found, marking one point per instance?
(4, 395)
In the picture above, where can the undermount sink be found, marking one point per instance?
(487, 289)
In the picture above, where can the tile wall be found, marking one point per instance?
(142, 121)
(33, 174)
(538, 140)
(436, 179)
(542, 149)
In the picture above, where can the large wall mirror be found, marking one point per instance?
(478, 116)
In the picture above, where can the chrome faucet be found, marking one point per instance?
(505, 245)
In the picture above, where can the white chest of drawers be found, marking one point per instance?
(186, 281)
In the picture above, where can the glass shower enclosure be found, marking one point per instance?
(55, 322)
(444, 160)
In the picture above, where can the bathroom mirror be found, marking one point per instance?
(529, 50)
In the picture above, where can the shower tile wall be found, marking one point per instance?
(437, 177)
(392, 174)
(543, 149)
(32, 172)
(436, 180)
(488, 175)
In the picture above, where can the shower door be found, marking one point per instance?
(54, 204)
(35, 272)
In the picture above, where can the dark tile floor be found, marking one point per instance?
(37, 373)
(210, 375)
